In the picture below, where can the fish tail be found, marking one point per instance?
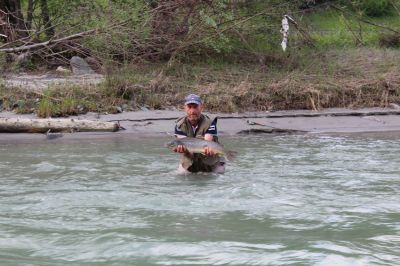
(231, 155)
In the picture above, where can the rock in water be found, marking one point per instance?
(50, 135)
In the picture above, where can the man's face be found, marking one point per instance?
(193, 112)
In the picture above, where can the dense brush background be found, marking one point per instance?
(153, 52)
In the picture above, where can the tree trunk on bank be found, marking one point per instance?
(12, 23)
(48, 28)
(17, 125)
(29, 15)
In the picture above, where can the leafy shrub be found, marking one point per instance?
(375, 8)
(310, 3)
(68, 107)
(47, 108)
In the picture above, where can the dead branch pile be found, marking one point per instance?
(160, 30)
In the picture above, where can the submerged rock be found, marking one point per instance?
(50, 135)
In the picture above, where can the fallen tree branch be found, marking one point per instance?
(46, 43)
(303, 32)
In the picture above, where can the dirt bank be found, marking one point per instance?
(316, 80)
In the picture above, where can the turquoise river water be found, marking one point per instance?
(285, 200)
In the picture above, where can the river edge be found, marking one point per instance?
(153, 123)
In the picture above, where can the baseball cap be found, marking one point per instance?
(193, 98)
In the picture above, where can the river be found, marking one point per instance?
(285, 200)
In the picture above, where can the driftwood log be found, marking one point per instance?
(23, 125)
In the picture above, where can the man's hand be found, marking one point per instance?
(209, 152)
(208, 137)
(180, 149)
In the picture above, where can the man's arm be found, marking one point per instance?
(212, 131)
(211, 135)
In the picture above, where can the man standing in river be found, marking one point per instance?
(197, 125)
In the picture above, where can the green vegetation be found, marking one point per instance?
(375, 8)
(338, 78)
(340, 54)
(331, 28)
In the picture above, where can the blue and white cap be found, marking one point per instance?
(193, 98)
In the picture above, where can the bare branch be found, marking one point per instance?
(47, 43)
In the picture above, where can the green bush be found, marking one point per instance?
(375, 8)
(46, 108)
(68, 107)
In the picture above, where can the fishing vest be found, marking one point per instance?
(184, 125)
(198, 162)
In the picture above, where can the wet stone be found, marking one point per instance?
(119, 109)
(80, 66)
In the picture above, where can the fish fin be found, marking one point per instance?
(170, 134)
(231, 155)
(202, 152)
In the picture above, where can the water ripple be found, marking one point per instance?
(293, 199)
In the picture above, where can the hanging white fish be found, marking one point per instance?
(285, 32)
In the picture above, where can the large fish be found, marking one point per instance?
(196, 145)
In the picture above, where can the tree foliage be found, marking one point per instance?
(136, 30)
(12, 23)
(139, 29)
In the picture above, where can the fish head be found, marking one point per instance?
(172, 144)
